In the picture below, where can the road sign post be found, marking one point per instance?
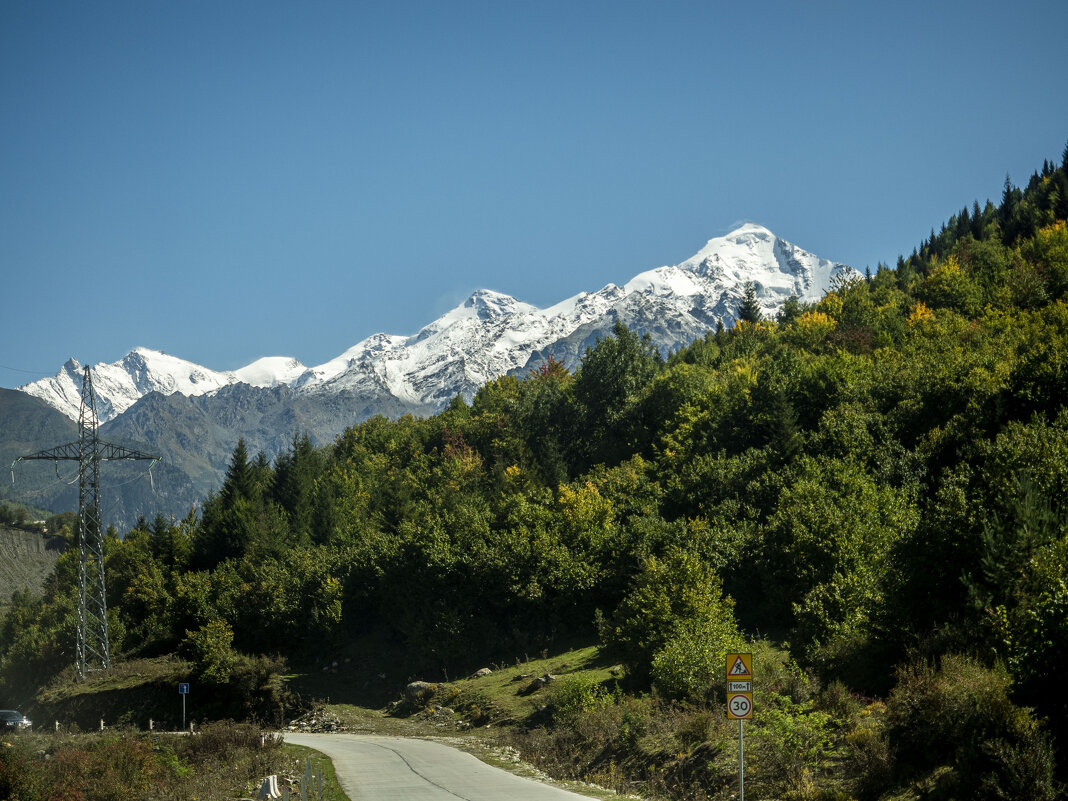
(183, 690)
(741, 763)
(740, 704)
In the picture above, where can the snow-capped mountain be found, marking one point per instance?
(119, 385)
(489, 335)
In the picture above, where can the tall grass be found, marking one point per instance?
(224, 760)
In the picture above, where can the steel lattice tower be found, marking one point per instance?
(93, 649)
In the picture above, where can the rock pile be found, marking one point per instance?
(316, 721)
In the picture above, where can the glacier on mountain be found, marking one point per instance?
(489, 335)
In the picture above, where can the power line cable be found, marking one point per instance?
(28, 372)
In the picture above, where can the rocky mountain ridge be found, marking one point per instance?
(489, 335)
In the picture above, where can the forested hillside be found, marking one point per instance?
(874, 483)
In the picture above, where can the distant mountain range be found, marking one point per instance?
(28, 425)
(193, 415)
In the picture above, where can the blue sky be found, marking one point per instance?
(229, 180)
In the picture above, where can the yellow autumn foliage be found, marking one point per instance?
(920, 314)
(816, 322)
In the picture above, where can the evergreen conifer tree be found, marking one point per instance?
(977, 221)
(1007, 211)
(790, 310)
(964, 224)
(749, 308)
(1059, 195)
(294, 484)
(240, 482)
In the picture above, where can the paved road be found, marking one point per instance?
(374, 768)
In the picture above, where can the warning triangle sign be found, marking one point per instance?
(738, 668)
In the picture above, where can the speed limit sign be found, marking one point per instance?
(740, 706)
(739, 686)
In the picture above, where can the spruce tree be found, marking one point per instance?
(240, 482)
(1007, 211)
(964, 224)
(294, 484)
(1059, 195)
(228, 524)
(977, 221)
(749, 308)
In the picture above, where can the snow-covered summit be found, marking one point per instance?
(486, 304)
(270, 371)
(490, 334)
(119, 385)
(777, 268)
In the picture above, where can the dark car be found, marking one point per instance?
(10, 720)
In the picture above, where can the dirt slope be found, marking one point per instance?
(26, 560)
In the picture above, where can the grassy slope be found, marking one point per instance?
(619, 743)
(146, 688)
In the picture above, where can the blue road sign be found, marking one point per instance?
(183, 688)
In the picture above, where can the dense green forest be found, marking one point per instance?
(874, 483)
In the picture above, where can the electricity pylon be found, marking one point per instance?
(89, 451)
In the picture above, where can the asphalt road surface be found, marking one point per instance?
(374, 768)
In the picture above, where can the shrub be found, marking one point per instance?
(959, 715)
(571, 696)
(256, 682)
(210, 649)
(19, 776)
(109, 769)
(790, 749)
(668, 603)
(224, 740)
(691, 662)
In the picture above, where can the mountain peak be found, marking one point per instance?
(483, 305)
(488, 335)
(490, 303)
(270, 371)
(747, 239)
